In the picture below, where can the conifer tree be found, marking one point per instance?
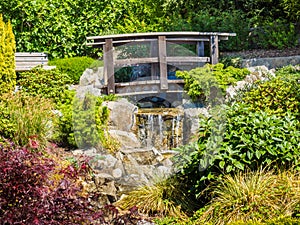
(7, 57)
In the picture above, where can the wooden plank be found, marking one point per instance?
(136, 61)
(214, 49)
(109, 78)
(187, 59)
(27, 68)
(185, 39)
(157, 34)
(162, 55)
(122, 42)
(20, 54)
(30, 63)
(30, 59)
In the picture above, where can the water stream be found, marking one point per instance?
(160, 127)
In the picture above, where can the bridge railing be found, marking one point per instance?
(158, 58)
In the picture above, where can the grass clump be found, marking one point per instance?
(164, 198)
(252, 196)
(24, 117)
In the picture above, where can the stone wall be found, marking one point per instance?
(270, 63)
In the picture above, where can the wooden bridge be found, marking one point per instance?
(145, 63)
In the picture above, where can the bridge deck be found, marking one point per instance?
(158, 57)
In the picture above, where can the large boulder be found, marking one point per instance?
(122, 114)
(92, 77)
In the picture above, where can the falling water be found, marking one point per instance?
(160, 128)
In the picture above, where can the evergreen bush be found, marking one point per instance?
(7, 57)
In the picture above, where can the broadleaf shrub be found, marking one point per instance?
(201, 82)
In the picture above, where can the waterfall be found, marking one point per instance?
(160, 128)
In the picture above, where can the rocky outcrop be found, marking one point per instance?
(126, 170)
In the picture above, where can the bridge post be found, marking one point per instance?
(154, 66)
(200, 48)
(162, 57)
(214, 49)
(109, 77)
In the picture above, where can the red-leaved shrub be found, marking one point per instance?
(35, 189)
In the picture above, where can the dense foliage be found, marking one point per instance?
(7, 57)
(60, 28)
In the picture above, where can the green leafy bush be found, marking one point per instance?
(261, 128)
(201, 82)
(7, 57)
(277, 34)
(74, 67)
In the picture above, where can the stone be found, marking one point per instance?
(191, 123)
(105, 162)
(121, 114)
(144, 156)
(117, 173)
(126, 139)
(270, 63)
(83, 90)
(93, 77)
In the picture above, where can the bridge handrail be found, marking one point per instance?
(159, 58)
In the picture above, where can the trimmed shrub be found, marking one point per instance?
(7, 57)
(74, 67)
(51, 84)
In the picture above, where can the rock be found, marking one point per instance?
(121, 114)
(256, 73)
(106, 185)
(105, 162)
(117, 173)
(92, 77)
(140, 156)
(191, 123)
(126, 139)
(83, 90)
